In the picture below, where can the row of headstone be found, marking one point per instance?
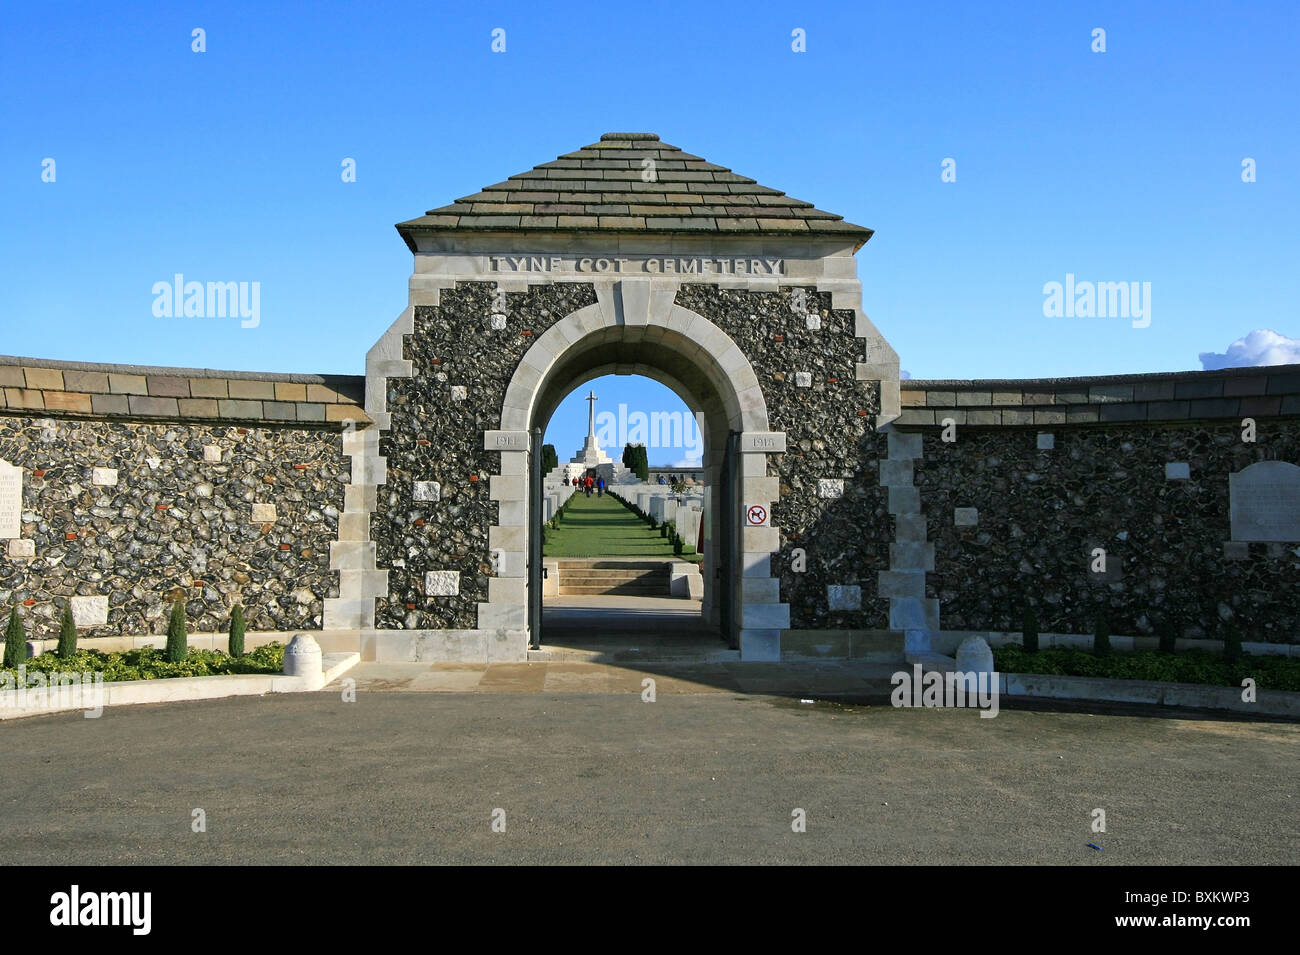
(688, 518)
(553, 499)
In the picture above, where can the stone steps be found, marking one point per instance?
(593, 577)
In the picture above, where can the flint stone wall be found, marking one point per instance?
(1042, 511)
(829, 428)
(437, 435)
(174, 523)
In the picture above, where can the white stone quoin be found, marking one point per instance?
(844, 596)
(830, 488)
(90, 611)
(21, 549)
(442, 583)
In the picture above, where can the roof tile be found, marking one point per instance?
(600, 187)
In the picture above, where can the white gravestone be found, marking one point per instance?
(11, 501)
(1264, 502)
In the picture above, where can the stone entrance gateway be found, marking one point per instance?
(626, 257)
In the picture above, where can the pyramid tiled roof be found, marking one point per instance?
(603, 187)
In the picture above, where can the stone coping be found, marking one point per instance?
(137, 392)
(357, 381)
(1225, 394)
(1254, 371)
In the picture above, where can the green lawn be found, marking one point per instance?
(602, 527)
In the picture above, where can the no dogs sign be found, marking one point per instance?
(757, 514)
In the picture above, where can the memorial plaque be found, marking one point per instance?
(11, 501)
(1264, 500)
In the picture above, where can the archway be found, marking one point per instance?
(622, 562)
(632, 332)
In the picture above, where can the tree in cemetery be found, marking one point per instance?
(237, 626)
(67, 633)
(176, 637)
(1101, 636)
(1231, 641)
(550, 460)
(1029, 630)
(640, 465)
(627, 455)
(1170, 629)
(15, 640)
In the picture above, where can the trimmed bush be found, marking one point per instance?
(235, 647)
(177, 646)
(15, 640)
(1231, 641)
(1101, 637)
(1029, 630)
(67, 633)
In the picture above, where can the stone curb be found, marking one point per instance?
(180, 689)
(1198, 696)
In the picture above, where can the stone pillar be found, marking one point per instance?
(910, 555)
(762, 615)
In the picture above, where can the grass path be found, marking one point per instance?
(602, 527)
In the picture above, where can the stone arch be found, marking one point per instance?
(634, 327)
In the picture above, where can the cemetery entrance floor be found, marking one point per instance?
(626, 627)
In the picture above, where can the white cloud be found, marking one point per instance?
(685, 463)
(904, 375)
(1261, 347)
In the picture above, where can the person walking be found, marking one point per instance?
(589, 483)
(600, 487)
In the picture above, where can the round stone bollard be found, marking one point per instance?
(302, 657)
(974, 656)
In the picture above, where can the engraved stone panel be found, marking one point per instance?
(1264, 502)
(11, 500)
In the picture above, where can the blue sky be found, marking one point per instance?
(225, 165)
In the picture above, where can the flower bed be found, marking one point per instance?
(1185, 666)
(147, 663)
